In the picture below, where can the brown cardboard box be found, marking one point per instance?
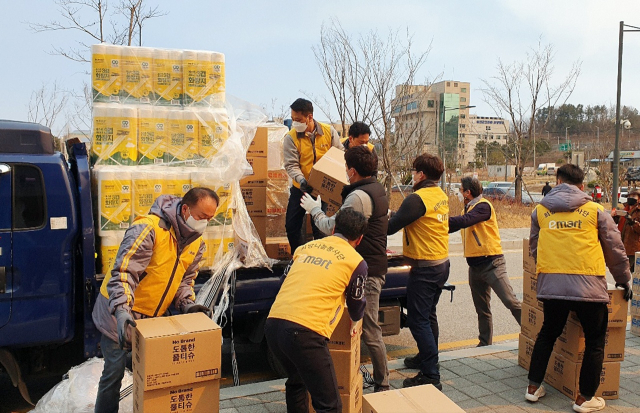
(341, 338)
(261, 226)
(532, 319)
(259, 176)
(527, 259)
(260, 143)
(389, 320)
(525, 348)
(529, 290)
(203, 397)
(255, 198)
(617, 308)
(328, 176)
(351, 402)
(176, 350)
(278, 248)
(571, 344)
(563, 374)
(347, 365)
(419, 399)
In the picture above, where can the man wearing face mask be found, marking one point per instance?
(156, 266)
(304, 145)
(631, 227)
(367, 196)
(482, 249)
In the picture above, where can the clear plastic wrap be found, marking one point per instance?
(77, 393)
(114, 201)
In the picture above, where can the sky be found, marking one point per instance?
(268, 45)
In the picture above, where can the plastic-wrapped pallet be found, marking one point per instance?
(213, 127)
(114, 191)
(115, 135)
(109, 245)
(204, 78)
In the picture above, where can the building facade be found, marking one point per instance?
(481, 128)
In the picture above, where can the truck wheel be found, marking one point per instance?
(274, 363)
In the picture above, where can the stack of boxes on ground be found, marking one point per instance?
(563, 371)
(159, 118)
(419, 399)
(345, 353)
(176, 364)
(634, 308)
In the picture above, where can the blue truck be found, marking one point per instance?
(48, 275)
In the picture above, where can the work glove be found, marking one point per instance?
(308, 203)
(124, 318)
(628, 294)
(197, 308)
(305, 187)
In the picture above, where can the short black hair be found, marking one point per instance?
(547, 183)
(359, 128)
(469, 183)
(303, 106)
(350, 223)
(194, 195)
(430, 165)
(570, 174)
(364, 161)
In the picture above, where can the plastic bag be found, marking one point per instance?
(77, 393)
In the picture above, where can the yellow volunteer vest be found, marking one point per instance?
(568, 241)
(313, 293)
(483, 238)
(306, 150)
(427, 238)
(369, 145)
(155, 293)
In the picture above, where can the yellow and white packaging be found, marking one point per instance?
(115, 134)
(202, 177)
(114, 199)
(109, 245)
(204, 78)
(152, 138)
(137, 64)
(216, 241)
(148, 184)
(177, 181)
(183, 140)
(105, 73)
(167, 77)
(213, 131)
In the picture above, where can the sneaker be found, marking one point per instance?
(592, 405)
(378, 389)
(412, 362)
(534, 393)
(421, 379)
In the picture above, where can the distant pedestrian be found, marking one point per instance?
(629, 226)
(597, 194)
(570, 263)
(546, 189)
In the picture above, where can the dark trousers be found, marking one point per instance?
(295, 218)
(305, 357)
(115, 360)
(423, 293)
(593, 317)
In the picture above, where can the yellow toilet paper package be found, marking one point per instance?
(109, 245)
(148, 184)
(115, 135)
(167, 77)
(152, 137)
(105, 73)
(214, 131)
(137, 64)
(114, 198)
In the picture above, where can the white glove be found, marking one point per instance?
(308, 203)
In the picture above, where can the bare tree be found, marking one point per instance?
(520, 90)
(46, 104)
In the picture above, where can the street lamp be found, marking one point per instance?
(616, 151)
(443, 154)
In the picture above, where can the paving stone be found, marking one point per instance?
(256, 408)
(475, 391)
(494, 401)
(450, 363)
(446, 374)
(454, 394)
(276, 407)
(458, 383)
(229, 410)
(507, 409)
(469, 404)
(501, 363)
(486, 357)
(512, 395)
(478, 378)
(498, 374)
(556, 401)
(245, 401)
(226, 404)
(481, 409)
(396, 384)
(480, 365)
(272, 396)
(463, 370)
(495, 386)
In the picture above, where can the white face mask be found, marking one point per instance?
(460, 196)
(299, 126)
(198, 225)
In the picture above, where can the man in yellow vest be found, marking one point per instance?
(304, 145)
(572, 238)
(156, 267)
(424, 215)
(325, 275)
(359, 134)
(482, 249)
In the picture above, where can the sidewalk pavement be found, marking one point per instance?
(486, 379)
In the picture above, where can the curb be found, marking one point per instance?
(254, 389)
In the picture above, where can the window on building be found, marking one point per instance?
(463, 116)
(463, 99)
(455, 84)
(462, 126)
(463, 90)
(397, 109)
(430, 103)
(29, 210)
(448, 83)
(491, 137)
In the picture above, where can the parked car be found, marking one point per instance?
(454, 187)
(508, 194)
(500, 184)
(403, 188)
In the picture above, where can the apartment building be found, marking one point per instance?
(481, 128)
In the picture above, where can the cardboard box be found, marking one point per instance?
(635, 284)
(341, 338)
(203, 397)
(278, 248)
(634, 306)
(389, 320)
(259, 175)
(419, 399)
(351, 402)
(571, 343)
(564, 374)
(636, 269)
(525, 348)
(260, 223)
(531, 322)
(259, 146)
(528, 264)
(176, 350)
(328, 176)
(347, 366)
(530, 290)
(617, 308)
(255, 198)
(635, 326)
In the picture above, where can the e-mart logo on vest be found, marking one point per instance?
(310, 259)
(565, 224)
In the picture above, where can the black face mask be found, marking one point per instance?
(631, 201)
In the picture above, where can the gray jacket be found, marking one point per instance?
(358, 200)
(292, 156)
(166, 207)
(572, 287)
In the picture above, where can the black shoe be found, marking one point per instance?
(421, 379)
(413, 362)
(482, 345)
(378, 389)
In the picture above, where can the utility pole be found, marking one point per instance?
(534, 143)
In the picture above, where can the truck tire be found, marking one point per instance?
(274, 363)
